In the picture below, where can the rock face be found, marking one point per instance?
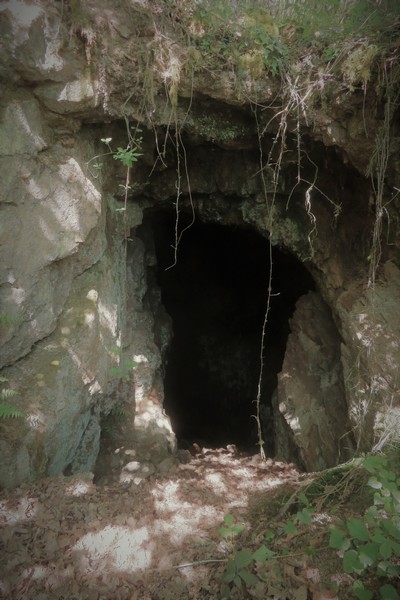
(310, 393)
(83, 327)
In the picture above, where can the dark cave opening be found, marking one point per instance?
(216, 295)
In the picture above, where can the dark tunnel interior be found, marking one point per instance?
(216, 295)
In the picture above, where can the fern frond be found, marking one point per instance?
(8, 411)
(7, 393)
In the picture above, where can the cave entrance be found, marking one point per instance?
(216, 295)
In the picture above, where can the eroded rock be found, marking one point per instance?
(310, 393)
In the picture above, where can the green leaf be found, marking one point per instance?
(243, 559)
(361, 592)
(8, 411)
(393, 570)
(351, 563)
(378, 537)
(374, 463)
(303, 499)
(269, 535)
(226, 592)
(378, 501)
(383, 568)
(395, 548)
(358, 530)
(338, 540)
(230, 570)
(388, 506)
(228, 520)
(374, 483)
(263, 554)
(237, 581)
(236, 529)
(385, 550)
(225, 532)
(391, 527)
(388, 592)
(305, 516)
(368, 554)
(389, 475)
(229, 577)
(248, 577)
(127, 156)
(290, 528)
(7, 393)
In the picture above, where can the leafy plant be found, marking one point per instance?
(237, 573)
(124, 368)
(237, 570)
(8, 411)
(128, 155)
(371, 544)
(245, 40)
(231, 529)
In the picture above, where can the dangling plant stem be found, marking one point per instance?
(378, 166)
(178, 146)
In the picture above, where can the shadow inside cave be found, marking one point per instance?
(216, 295)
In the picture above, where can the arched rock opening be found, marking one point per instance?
(216, 295)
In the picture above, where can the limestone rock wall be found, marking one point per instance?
(310, 393)
(62, 270)
(370, 357)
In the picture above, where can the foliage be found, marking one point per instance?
(231, 529)
(331, 22)
(123, 371)
(372, 543)
(126, 156)
(358, 64)
(369, 545)
(243, 41)
(124, 368)
(8, 411)
(238, 567)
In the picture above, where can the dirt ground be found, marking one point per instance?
(153, 538)
(146, 533)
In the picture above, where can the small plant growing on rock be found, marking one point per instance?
(127, 156)
(8, 411)
(124, 368)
